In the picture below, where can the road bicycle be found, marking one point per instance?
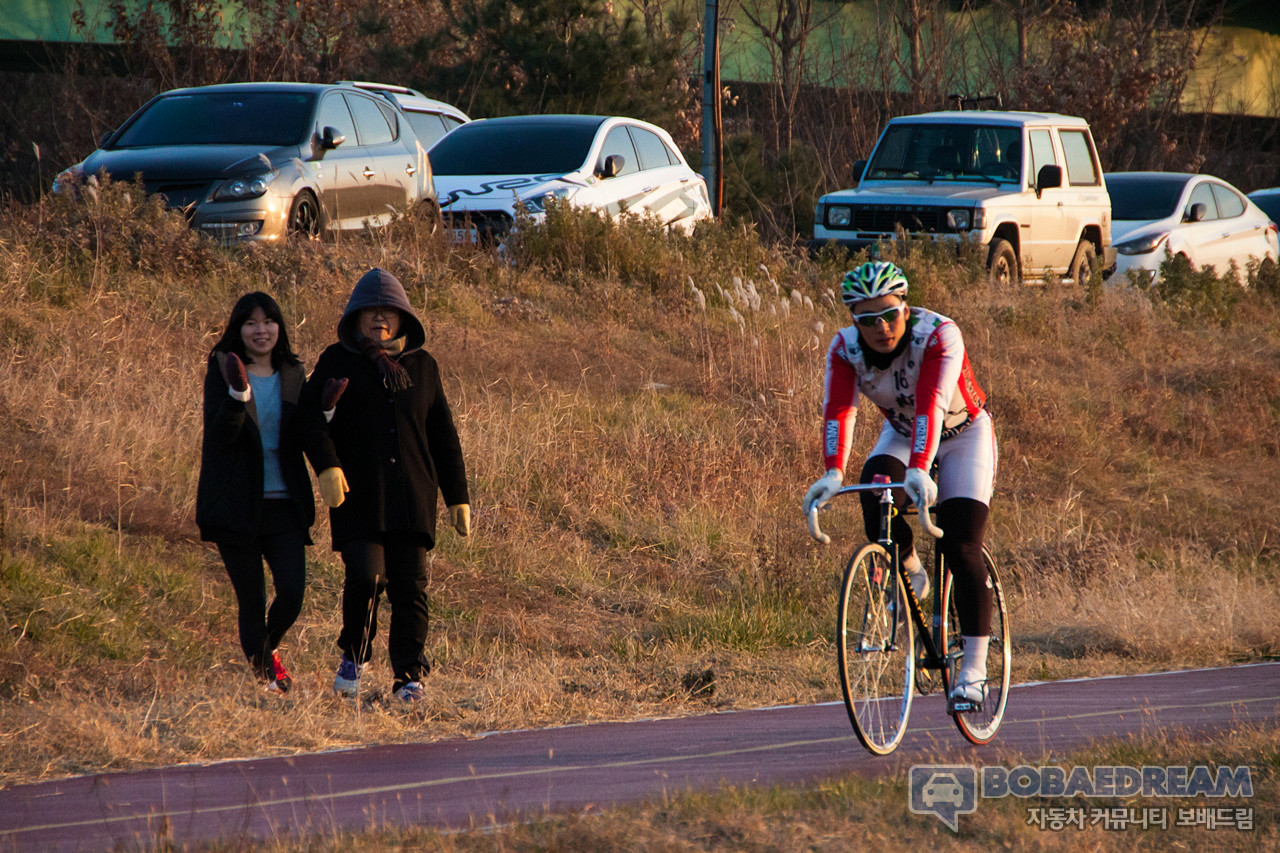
(887, 652)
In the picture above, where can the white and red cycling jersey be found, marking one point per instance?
(927, 393)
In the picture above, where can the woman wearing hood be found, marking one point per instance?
(383, 439)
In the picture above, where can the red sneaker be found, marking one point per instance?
(280, 681)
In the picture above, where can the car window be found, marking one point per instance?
(1269, 203)
(450, 122)
(1229, 204)
(1080, 164)
(619, 142)
(649, 146)
(428, 127)
(222, 118)
(1144, 197)
(371, 124)
(334, 113)
(945, 152)
(1042, 153)
(1203, 194)
(514, 148)
(392, 117)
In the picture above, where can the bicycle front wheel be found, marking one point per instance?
(876, 648)
(979, 726)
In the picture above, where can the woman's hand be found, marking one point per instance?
(333, 487)
(333, 388)
(460, 518)
(236, 376)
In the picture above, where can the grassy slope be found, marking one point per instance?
(636, 465)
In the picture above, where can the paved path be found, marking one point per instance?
(498, 777)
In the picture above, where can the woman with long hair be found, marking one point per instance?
(254, 498)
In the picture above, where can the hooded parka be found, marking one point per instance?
(398, 449)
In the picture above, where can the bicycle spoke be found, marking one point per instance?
(876, 650)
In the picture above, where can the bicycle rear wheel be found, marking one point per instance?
(980, 726)
(875, 641)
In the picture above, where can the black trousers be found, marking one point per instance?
(963, 520)
(397, 564)
(282, 543)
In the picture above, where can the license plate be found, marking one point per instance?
(465, 235)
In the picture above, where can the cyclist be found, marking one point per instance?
(911, 363)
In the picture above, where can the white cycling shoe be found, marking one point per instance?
(974, 691)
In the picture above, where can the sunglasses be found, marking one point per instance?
(889, 315)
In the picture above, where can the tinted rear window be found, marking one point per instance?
(1140, 197)
(245, 118)
(1270, 205)
(481, 148)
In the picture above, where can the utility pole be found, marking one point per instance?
(712, 150)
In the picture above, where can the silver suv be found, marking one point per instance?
(262, 161)
(1028, 186)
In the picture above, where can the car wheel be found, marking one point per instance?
(304, 217)
(1083, 263)
(1002, 264)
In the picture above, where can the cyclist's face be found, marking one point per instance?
(887, 330)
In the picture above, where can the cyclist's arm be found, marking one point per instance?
(939, 375)
(839, 406)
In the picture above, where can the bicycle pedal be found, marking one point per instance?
(963, 706)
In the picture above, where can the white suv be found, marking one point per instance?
(1026, 185)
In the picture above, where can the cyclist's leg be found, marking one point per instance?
(966, 474)
(888, 457)
(964, 521)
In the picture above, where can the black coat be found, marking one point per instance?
(229, 494)
(397, 450)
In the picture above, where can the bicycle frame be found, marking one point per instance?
(933, 658)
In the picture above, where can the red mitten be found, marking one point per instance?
(333, 388)
(237, 377)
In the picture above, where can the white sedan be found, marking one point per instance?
(483, 169)
(1155, 215)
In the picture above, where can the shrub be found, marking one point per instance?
(1193, 296)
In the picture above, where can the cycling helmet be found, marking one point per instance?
(872, 279)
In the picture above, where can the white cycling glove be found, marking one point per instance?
(920, 487)
(824, 489)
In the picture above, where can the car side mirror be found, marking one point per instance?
(1197, 212)
(1049, 177)
(612, 166)
(859, 166)
(331, 138)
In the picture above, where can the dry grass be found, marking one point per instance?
(636, 462)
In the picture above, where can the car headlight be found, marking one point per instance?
(248, 186)
(1142, 245)
(538, 203)
(68, 178)
(839, 215)
(960, 219)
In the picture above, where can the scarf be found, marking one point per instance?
(394, 376)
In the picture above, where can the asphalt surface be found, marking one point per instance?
(505, 776)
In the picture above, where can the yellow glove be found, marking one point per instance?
(460, 518)
(333, 486)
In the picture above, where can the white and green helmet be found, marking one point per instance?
(872, 279)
